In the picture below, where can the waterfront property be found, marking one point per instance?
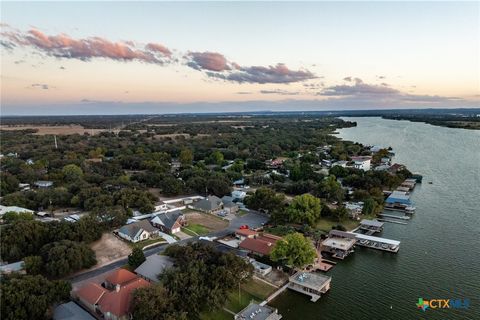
(362, 162)
(258, 312)
(340, 244)
(371, 226)
(377, 243)
(260, 245)
(310, 283)
(400, 201)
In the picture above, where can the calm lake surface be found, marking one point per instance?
(439, 254)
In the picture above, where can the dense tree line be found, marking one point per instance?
(30, 297)
(200, 281)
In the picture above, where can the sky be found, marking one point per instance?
(165, 57)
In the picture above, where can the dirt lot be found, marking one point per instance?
(110, 248)
(58, 130)
(207, 220)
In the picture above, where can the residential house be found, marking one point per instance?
(229, 205)
(341, 163)
(112, 300)
(260, 245)
(240, 183)
(71, 311)
(5, 209)
(242, 234)
(43, 184)
(258, 312)
(354, 209)
(18, 267)
(239, 195)
(211, 204)
(153, 266)
(137, 231)
(169, 222)
(362, 162)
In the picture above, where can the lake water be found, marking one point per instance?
(439, 254)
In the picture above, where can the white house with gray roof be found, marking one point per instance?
(138, 231)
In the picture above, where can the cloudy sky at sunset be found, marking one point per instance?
(153, 57)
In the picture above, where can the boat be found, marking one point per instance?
(418, 177)
(410, 209)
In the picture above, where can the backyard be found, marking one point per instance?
(254, 290)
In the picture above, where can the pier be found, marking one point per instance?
(394, 216)
(377, 243)
(392, 221)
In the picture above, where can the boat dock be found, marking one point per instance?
(392, 221)
(394, 216)
(377, 243)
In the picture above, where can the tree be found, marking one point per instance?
(203, 277)
(186, 157)
(294, 250)
(8, 183)
(136, 258)
(33, 264)
(304, 209)
(155, 303)
(64, 257)
(72, 172)
(29, 297)
(12, 216)
(22, 238)
(369, 206)
(265, 199)
(215, 158)
(331, 189)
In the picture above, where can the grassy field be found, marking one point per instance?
(197, 229)
(253, 290)
(326, 225)
(145, 243)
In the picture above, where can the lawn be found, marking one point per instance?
(147, 242)
(189, 232)
(196, 228)
(326, 224)
(253, 290)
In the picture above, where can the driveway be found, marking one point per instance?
(167, 237)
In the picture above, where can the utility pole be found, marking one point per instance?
(55, 138)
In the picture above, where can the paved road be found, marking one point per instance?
(252, 219)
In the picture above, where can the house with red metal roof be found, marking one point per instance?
(261, 245)
(113, 298)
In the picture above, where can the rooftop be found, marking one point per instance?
(261, 244)
(71, 311)
(167, 219)
(339, 243)
(257, 312)
(153, 266)
(372, 223)
(310, 279)
(91, 292)
(120, 276)
(133, 228)
(377, 239)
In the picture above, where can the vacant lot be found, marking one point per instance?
(56, 130)
(206, 220)
(110, 248)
